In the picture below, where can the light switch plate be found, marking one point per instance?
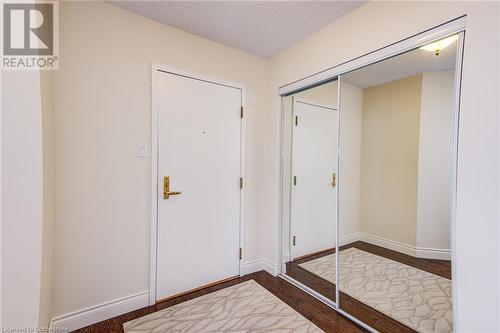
(142, 150)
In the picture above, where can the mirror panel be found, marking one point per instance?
(395, 191)
(310, 170)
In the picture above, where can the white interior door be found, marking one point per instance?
(198, 230)
(313, 212)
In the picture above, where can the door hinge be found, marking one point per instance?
(241, 112)
(293, 241)
(241, 253)
(241, 182)
(296, 120)
(294, 180)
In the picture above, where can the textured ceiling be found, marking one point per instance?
(263, 28)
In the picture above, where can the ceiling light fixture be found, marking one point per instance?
(439, 45)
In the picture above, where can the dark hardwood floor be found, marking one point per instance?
(320, 314)
(372, 317)
(314, 282)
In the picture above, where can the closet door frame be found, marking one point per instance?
(452, 27)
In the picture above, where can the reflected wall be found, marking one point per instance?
(395, 262)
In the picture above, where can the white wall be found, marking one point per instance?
(375, 25)
(420, 117)
(434, 164)
(351, 117)
(324, 94)
(389, 160)
(101, 111)
(21, 198)
(48, 198)
(1, 219)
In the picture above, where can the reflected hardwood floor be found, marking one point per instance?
(320, 314)
(372, 317)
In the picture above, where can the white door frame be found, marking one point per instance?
(454, 26)
(155, 69)
(312, 102)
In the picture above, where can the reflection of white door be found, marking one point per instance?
(314, 167)
(198, 230)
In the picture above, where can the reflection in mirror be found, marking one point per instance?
(395, 239)
(310, 163)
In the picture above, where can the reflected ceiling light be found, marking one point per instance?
(439, 45)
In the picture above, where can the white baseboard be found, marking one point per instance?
(259, 265)
(427, 253)
(94, 314)
(286, 256)
(351, 238)
(100, 312)
(414, 251)
(343, 241)
(389, 244)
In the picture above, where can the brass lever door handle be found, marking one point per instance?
(334, 180)
(166, 189)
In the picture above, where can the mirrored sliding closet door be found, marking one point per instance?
(396, 189)
(310, 167)
(369, 169)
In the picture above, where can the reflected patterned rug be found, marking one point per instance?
(244, 308)
(417, 299)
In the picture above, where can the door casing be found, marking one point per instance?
(155, 69)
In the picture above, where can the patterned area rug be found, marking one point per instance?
(417, 299)
(244, 308)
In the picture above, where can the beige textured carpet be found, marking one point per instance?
(418, 299)
(244, 308)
